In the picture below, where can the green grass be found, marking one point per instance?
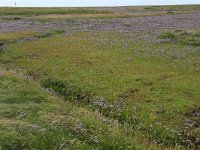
(82, 66)
(32, 118)
(14, 37)
(174, 8)
(15, 13)
(52, 87)
(188, 37)
(43, 11)
(9, 37)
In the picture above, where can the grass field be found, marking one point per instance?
(104, 82)
(107, 12)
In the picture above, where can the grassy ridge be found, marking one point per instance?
(105, 12)
(43, 11)
(174, 8)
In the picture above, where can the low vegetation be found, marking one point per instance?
(32, 118)
(37, 11)
(188, 37)
(100, 88)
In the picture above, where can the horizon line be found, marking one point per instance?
(101, 6)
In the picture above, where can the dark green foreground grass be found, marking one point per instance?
(32, 118)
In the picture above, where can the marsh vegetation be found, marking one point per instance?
(104, 78)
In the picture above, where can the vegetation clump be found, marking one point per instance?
(52, 32)
(187, 37)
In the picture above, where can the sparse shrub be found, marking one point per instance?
(170, 12)
(52, 32)
(16, 18)
(168, 35)
(187, 37)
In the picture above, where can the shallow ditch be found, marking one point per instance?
(119, 112)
